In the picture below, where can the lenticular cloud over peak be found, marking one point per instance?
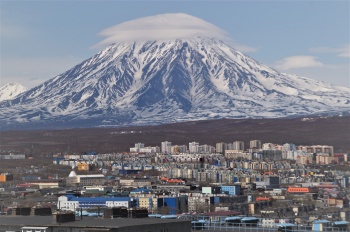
(161, 27)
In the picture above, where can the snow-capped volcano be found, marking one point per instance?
(11, 90)
(169, 80)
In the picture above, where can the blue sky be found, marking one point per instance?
(41, 39)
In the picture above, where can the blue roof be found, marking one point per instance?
(320, 221)
(285, 224)
(341, 222)
(140, 190)
(69, 196)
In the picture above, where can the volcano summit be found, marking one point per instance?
(178, 77)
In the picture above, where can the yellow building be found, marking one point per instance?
(148, 203)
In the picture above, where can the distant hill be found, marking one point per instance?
(300, 131)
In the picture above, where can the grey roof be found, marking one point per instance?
(85, 222)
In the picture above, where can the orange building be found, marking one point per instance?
(298, 190)
(4, 177)
(302, 190)
(83, 167)
(172, 181)
(175, 181)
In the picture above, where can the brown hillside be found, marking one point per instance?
(311, 131)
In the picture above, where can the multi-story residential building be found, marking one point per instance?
(137, 147)
(150, 203)
(150, 149)
(193, 147)
(234, 154)
(229, 146)
(205, 149)
(272, 146)
(166, 147)
(268, 154)
(172, 204)
(238, 145)
(255, 144)
(305, 158)
(288, 148)
(200, 203)
(178, 149)
(220, 147)
(203, 176)
(231, 189)
(316, 149)
(323, 158)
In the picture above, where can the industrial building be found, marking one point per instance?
(85, 180)
(71, 202)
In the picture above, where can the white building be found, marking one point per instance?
(166, 147)
(137, 147)
(84, 180)
(205, 149)
(255, 144)
(238, 145)
(193, 147)
(221, 147)
(72, 203)
(149, 149)
(288, 150)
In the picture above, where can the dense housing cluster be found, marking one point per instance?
(270, 183)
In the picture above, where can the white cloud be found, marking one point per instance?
(161, 27)
(166, 27)
(343, 51)
(294, 62)
(31, 72)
